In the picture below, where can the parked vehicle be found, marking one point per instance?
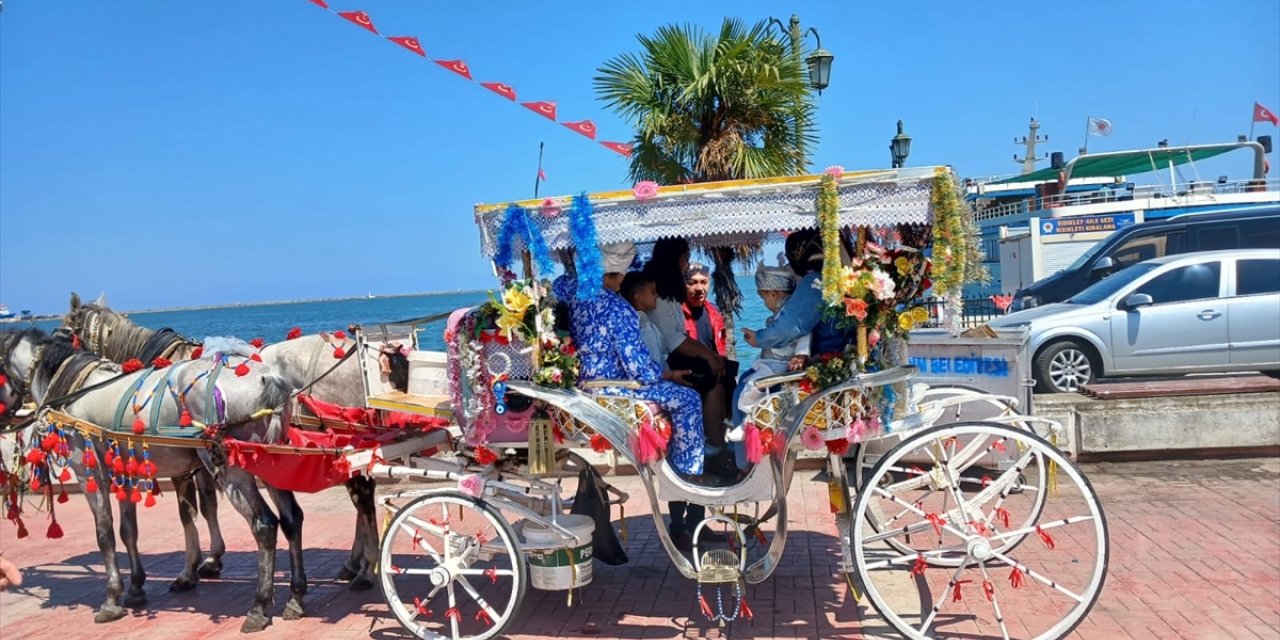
(1252, 229)
(1216, 311)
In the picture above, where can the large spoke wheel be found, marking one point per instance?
(969, 460)
(1045, 586)
(452, 568)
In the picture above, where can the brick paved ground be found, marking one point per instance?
(1196, 554)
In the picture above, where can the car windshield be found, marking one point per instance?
(1087, 256)
(1107, 287)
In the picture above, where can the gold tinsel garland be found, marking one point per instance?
(829, 225)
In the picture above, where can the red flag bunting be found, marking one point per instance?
(547, 109)
(503, 90)
(320, 3)
(542, 175)
(586, 128)
(1263, 114)
(409, 42)
(618, 147)
(457, 66)
(359, 17)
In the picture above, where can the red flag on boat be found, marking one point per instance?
(503, 90)
(586, 128)
(409, 42)
(547, 109)
(457, 66)
(359, 17)
(618, 147)
(1263, 114)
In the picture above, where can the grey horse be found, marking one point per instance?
(42, 363)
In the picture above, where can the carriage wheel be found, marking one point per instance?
(1028, 488)
(452, 568)
(1048, 584)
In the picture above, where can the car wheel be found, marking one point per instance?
(1065, 367)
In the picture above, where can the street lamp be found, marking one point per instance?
(819, 61)
(900, 147)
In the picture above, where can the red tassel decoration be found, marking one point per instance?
(35, 456)
(160, 363)
(55, 530)
(599, 443)
(90, 485)
(339, 353)
(117, 465)
(22, 529)
(242, 369)
(648, 445)
(151, 500)
(838, 446)
(919, 567)
(706, 607)
(1003, 514)
(131, 366)
(132, 467)
(90, 460)
(956, 596)
(751, 441)
(421, 607)
(62, 496)
(452, 612)
(197, 353)
(139, 426)
(294, 333)
(257, 343)
(136, 496)
(483, 616)
(1048, 541)
(121, 495)
(3, 406)
(1015, 578)
(35, 484)
(184, 420)
(110, 456)
(340, 334)
(256, 358)
(744, 610)
(65, 476)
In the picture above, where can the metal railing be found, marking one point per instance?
(1127, 192)
(977, 312)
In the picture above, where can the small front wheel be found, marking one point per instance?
(452, 568)
(1065, 367)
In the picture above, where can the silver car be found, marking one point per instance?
(1217, 311)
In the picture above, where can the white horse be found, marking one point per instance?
(242, 408)
(305, 362)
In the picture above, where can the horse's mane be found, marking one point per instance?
(126, 339)
(57, 348)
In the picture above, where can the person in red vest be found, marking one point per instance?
(702, 320)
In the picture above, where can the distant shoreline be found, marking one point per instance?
(275, 303)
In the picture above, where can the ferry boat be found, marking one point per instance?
(6, 314)
(1036, 223)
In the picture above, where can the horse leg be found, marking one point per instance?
(136, 597)
(242, 492)
(100, 505)
(351, 568)
(291, 525)
(366, 531)
(185, 487)
(208, 488)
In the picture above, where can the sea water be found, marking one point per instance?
(272, 322)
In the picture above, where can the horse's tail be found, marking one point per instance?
(275, 394)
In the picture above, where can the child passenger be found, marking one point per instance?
(775, 286)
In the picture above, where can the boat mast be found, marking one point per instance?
(1029, 141)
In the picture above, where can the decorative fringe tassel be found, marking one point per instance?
(1053, 468)
(751, 441)
(648, 445)
(542, 451)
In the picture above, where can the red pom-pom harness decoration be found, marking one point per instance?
(130, 366)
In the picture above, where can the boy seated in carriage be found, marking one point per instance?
(775, 286)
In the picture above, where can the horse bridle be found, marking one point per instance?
(20, 385)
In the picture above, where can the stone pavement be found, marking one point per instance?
(1195, 555)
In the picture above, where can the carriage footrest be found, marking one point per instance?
(719, 566)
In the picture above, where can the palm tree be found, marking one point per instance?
(712, 107)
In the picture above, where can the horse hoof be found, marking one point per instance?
(255, 623)
(361, 583)
(209, 569)
(182, 584)
(108, 614)
(135, 600)
(293, 610)
(346, 574)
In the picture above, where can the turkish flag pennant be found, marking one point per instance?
(320, 3)
(547, 109)
(457, 66)
(409, 42)
(503, 90)
(1263, 114)
(618, 147)
(586, 128)
(359, 17)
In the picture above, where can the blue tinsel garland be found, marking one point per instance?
(589, 262)
(517, 225)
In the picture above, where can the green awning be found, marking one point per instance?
(1123, 163)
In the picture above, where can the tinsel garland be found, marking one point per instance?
(517, 225)
(828, 207)
(587, 260)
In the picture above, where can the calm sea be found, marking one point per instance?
(273, 321)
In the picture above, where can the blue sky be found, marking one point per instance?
(175, 153)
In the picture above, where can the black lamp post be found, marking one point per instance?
(900, 147)
(819, 64)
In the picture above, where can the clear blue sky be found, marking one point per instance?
(174, 153)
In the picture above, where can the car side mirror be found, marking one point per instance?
(1104, 265)
(1136, 301)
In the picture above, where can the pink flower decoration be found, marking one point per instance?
(471, 484)
(812, 439)
(873, 338)
(645, 189)
(549, 208)
(856, 430)
(835, 171)
(855, 308)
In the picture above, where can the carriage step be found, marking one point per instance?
(438, 406)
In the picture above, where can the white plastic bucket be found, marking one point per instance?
(568, 565)
(428, 373)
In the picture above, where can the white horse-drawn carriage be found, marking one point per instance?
(940, 540)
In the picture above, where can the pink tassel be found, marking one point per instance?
(648, 445)
(751, 440)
